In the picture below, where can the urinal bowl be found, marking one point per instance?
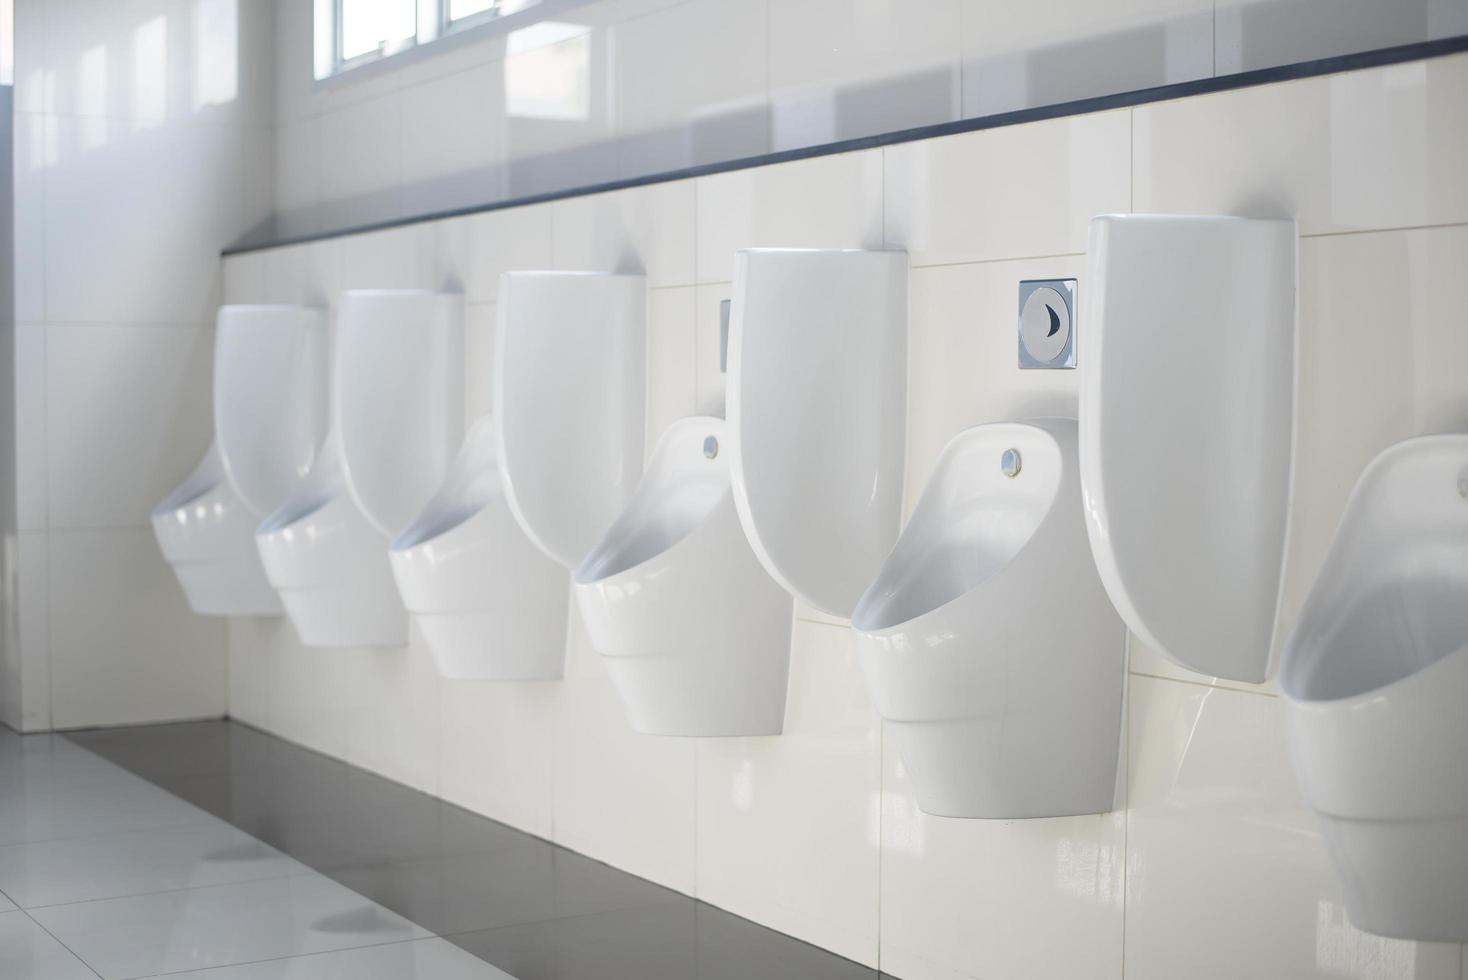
(329, 565)
(1374, 681)
(987, 639)
(694, 633)
(206, 534)
(489, 604)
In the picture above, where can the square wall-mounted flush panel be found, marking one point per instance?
(1047, 321)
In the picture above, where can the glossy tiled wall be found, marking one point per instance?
(142, 145)
(1212, 869)
(622, 88)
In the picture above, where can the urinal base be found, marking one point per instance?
(473, 646)
(227, 589)
(956, 771)
(1405, 879)
(697, 695)
(337, 617)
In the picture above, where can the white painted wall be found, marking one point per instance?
(142, 146)
(1212, 868)
(666, 84)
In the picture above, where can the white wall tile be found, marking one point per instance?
(841, 69)
(1026, 899)
(496, 742)
(32, 606)
(479, 330)
(1034, 54)
(649, 230)
(124, 646)
(789, 826)
(692, 83)
(711, 380)
(963, 352)
(1381, 148)
(627, 799)
(563, 132)
(29, 216)
(30, 426)
(169, 272)
(399, 258)
(307, 274)
(503, 241)
(672, 355)
(454, 140)
(362, 154)
(392, 714)
(1226, 873)
(298, 164)
(1254, 34)
(246, 278)
(1002, 193)
(127, 417)
(826, 202)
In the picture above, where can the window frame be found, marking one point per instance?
(433, 28)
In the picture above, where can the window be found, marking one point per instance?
(350, 33)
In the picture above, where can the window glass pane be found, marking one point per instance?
(368, 23)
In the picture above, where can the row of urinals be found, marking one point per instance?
(991, 628)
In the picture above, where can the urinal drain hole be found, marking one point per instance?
(1011, 463)
(710, 447)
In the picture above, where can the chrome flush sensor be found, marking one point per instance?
(1047, 324)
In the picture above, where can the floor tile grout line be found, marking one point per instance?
(295, 956)
(307, 871)
(79, 958)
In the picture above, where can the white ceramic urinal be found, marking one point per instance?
(329, 563)
(1186, 422)
(399, 390)
(569, 399)
(987, 640)
(268, 418)
(489, 604)
(1374, 680)
(206, 533)
(818, 414)
(695, 634)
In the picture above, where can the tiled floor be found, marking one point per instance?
(211, 850)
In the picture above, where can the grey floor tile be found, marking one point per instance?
(508, 886)
(686, 941)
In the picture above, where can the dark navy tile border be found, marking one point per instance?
(1160, 93)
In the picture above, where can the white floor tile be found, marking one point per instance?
(423, 959)
(114, 865)
(28, 953)
(113, 805)
(196, 928)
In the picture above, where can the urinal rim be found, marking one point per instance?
(1052, 514)
(1314, 625)
(173, 502)
(409, 538)
(726, 498)
(276, 522)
